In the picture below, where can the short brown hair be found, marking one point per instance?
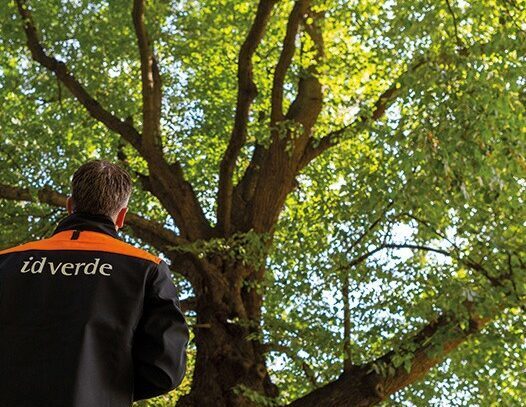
(100, 187)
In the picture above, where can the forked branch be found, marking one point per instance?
(372, 382)
(169, 183)
(285, 58)
(151, 82)
(317, 147)
(59, 68)
(246, 93)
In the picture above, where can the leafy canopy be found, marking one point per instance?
(444, 168)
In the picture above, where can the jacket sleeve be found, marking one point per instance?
(160, 338)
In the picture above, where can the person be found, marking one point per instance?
(86, 319)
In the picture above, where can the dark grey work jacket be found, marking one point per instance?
(87, 320)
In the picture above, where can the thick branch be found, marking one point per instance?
(307, 105)
(247, 91)
(271, 173)
(171, 187)
(317, 147)
(166, 181)
(363, 386)
(128, 132)
(151, 232)
(285, 59)
(368, 384)
(249, 180)
(151, 82)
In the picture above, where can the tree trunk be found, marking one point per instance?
(226, 358)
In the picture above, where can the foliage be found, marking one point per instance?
(444, 168)
(249, 248)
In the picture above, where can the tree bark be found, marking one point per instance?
(226, 314)
(362, 386)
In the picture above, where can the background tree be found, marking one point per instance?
(338, 186)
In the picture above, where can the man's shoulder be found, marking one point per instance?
(125, 248)
(115, 246)
(19, 248)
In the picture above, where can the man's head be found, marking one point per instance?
(100, 187)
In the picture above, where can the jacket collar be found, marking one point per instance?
(87, 221)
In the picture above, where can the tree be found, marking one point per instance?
(337, 186)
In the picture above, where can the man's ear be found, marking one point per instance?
(69, 205)
(119, 222)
